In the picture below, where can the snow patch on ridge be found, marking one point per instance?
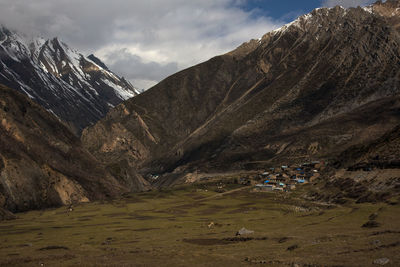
(123, 93)
(306, 18)
(369, 9)
(57, 74)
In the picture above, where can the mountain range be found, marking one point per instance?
(324, 87)
(77, 89)
(310, 90)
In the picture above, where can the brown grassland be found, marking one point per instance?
(173, 228)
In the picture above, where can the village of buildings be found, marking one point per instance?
(283, 178)
(286, 178)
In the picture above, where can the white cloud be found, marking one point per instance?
(137, 70)
(157, 35)
(347, 3)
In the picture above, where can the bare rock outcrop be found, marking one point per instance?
(42, 163)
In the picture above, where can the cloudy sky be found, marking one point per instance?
(146, 41)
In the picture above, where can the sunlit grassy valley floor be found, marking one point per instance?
(194, 225)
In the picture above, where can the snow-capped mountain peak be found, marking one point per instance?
(78, 89)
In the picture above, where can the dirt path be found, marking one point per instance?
(226, 193)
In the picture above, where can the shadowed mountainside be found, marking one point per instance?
(311, 89)
(383, 153)
(43, 164)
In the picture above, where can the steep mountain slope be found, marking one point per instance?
(79, 90)
(366, 172)
(42, 164)
(311, 89)
(382, 153)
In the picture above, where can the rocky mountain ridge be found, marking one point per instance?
(311, 89)
(79, 90)
(43, 164)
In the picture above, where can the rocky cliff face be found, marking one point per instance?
(311, 89)
(79, 90)
(42, 164)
